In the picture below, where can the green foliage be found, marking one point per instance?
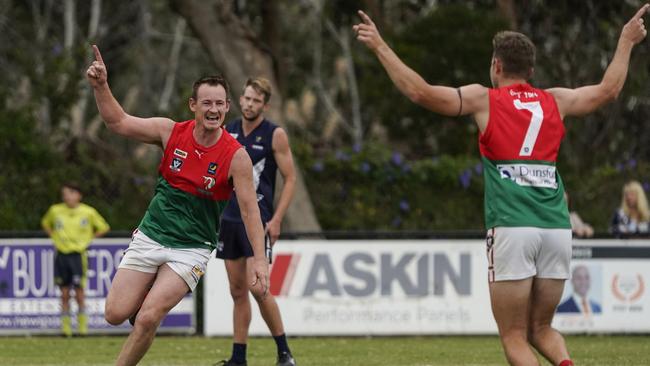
(375, 188)
(597, 193)
(449, 46)
(33, 171)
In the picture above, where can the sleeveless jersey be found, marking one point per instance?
(192, 190)
(259, 146)
(519, 149)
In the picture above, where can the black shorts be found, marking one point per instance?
(69, 269)
(234, 243)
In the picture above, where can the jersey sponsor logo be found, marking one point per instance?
(529, 175)
(180, 153)
(176, 165)
(257, 147)
(199, 153)
(212, 168)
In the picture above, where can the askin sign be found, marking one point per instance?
(425, 287)
(385, 274)
(367, 287)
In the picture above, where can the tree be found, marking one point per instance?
(238, 53)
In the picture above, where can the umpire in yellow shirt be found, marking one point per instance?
(72, 225)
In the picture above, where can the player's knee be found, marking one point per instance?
(239, 293)
(536, 331)
(149, 320)
(514, 335)
(112, 316)
(258, 293)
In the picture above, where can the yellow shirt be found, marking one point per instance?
(73, 228)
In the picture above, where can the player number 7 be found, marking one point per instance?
(536, 119)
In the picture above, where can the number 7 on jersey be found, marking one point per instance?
(536, 119)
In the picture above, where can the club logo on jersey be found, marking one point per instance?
(180, 153)
(257, 147)
(258, 139)
(529, 175)
(176, 165)
(212, 168)
(208, 182)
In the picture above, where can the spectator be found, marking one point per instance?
(72, 225)
(579, 228)
(632, 218)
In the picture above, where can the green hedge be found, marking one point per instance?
(375, 188)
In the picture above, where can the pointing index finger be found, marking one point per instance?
(639, 14)
(365, 18)
(98, 55)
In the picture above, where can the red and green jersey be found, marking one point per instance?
(519, 149)
(192, 190)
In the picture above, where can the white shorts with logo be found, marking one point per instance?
(146, 255)
(516, 253)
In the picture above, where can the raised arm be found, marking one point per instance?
(447, 101)
(241, 172)
(150, 130)
(586, 99)
(284, 159)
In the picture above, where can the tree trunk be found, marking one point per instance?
(507, 9)
(237, 54)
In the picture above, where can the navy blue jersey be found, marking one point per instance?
(259, 146)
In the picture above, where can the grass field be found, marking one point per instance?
(168, 350)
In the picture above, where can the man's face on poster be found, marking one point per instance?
(581, 280)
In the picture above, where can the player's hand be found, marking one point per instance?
(634, 31)
(261, 274)
(367, 33)
(273, 229)
(96, 73)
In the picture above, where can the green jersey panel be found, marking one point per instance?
(524, 193)
(177, 219)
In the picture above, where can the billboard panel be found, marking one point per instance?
(405, 287)
(30, 301)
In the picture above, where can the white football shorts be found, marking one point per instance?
(516, 253)
(146, 255)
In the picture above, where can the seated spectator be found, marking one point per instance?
(580, 228)
(633, 217)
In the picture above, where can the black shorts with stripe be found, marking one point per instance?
(234, 243)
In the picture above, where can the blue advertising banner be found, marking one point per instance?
(30, 301)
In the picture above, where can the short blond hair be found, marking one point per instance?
(641, 200)
(260, 85)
